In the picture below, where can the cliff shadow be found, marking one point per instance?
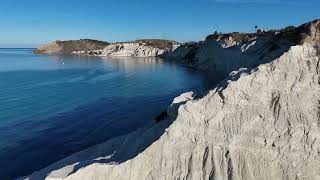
(124, 148)
(114, 151)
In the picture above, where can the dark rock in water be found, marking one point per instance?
(161, 117)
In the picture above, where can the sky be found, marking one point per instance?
(27, 23)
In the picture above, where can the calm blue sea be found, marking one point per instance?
(53, 106)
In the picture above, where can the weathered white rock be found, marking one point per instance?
(227, 42)
(87, 47)
(177, 102)
(88, 53)
(139, 48)
(132, 49)
(259, 123)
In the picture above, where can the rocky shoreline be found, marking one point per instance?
(262, 121)
(138, 48)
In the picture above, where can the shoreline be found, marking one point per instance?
(130, 66)
(181, 131)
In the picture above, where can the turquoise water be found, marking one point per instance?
(53, 106)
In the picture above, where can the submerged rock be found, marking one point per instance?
(262, 122)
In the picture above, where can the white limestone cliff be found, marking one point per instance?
(88, 47)
(132, 50)
(139, 48)
(261, 122)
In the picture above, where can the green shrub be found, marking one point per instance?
(240, 37)
(288, 29)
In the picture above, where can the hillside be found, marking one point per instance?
(262, 121)
(86, 47)
(158, 43)
(138, 48)
(67, 47)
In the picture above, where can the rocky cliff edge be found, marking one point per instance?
(260, 122)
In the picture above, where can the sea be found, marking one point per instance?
(54, 106)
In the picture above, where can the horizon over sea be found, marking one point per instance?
(54, 106)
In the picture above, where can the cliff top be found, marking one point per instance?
(67, 47)
(291, 33)
(158, 43)
(83, 41)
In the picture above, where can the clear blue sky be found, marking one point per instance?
(32, 22)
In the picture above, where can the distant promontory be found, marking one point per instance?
(88, 47)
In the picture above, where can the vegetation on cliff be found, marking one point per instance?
(67, 47)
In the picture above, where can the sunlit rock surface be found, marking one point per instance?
(261, 122)
(139, 48)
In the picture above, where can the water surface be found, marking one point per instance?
(53, 106)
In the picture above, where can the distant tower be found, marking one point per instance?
(259, 31)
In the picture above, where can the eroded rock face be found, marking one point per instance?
(132, 49)
(139, 48)
(224, 53)
(261, 123)
(51, 48)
